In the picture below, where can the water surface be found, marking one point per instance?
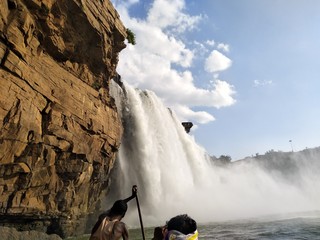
(300, 227)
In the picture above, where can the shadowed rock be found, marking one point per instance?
(187, 126)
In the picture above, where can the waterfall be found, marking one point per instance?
(175, 175)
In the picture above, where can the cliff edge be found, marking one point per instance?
(59, 128)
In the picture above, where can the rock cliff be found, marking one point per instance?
(59, 128)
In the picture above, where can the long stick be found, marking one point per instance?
(140, 218)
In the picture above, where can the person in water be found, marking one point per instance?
(109, 225)
(180, 227)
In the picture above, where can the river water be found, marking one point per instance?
(301, 226)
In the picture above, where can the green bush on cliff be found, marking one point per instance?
(131, 37)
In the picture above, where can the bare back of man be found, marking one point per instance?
(120, 230)
(110, 230)
(109, 225)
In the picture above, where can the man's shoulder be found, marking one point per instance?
(121, 229)
(119, 224)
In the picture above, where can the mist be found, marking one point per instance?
(175, 175)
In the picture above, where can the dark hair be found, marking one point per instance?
(119, 208)
(157, 233)
(182, 223)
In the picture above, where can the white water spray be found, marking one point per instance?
(175, 175)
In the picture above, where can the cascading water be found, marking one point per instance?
(174, 175)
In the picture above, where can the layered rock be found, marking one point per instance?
(59, 128)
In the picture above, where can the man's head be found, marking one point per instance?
(182, 223)
(119, 208)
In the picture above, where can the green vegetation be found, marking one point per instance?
(223, 160)
(131, 37)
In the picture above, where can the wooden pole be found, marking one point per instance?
(140, 218)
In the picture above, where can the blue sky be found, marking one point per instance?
(245, 72)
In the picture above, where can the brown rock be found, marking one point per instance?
(58, 134)
(12, 234)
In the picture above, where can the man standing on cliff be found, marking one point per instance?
(109, 225)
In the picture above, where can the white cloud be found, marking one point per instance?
(152, 39)
(217, 62)
(200, 50)
(258, 83)
(224, 47)
(185, 113)
(210, 42)
(223, 93)
(198, 44)
(216, 75)
(152, 62)
(168, 14)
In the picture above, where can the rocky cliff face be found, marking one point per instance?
(59, 128)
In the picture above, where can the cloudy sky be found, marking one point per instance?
(245, 72)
